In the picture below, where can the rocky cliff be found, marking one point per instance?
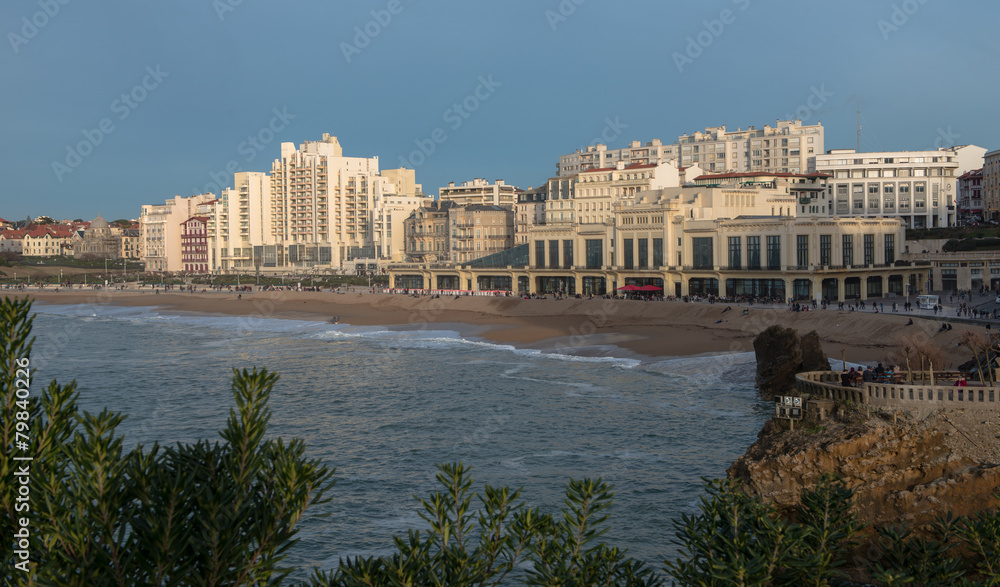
(907, 471)
(781, 353)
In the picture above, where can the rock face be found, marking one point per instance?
(909, 472)
(781, 354)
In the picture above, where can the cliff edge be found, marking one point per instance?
(902, 469)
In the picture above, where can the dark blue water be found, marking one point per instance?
(384, 407)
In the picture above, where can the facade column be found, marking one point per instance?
(817, 289)
(840, 289)
(789, 289)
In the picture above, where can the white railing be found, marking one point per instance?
(905, 395)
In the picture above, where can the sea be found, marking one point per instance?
(384, 406)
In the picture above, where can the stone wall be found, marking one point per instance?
(899, 395)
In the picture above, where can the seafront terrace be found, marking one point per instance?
(920, 394)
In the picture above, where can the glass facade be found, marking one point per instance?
(869, 249)
(825, 249)
(753, 252)
(890, 249)
(594, 286)
(701, 250)
(643, 246)
(735, 253)
(595, 253)
(657, 252)
(774, 252)
(848, 249)
(802, 250)
(629, 260)
(540, 254)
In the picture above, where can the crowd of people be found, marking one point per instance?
(879, 374)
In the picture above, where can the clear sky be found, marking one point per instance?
(110, 105)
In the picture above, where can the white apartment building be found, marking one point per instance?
(328, 209)
(808, 191)
(597, 156)
(598, 190)
(787, 147)
(918, 187)
(991, 185)
(241, 220)
(12, 241)
(405, 181)
(160, 231)
(479, 191)
(969, 157)
(391, 211)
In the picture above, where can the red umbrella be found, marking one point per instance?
(650, 288)
(629, 288)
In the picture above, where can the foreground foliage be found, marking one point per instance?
(462, 547)
(201, 514)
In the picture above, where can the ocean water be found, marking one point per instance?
(384, 406)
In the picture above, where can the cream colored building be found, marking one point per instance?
(787, 147)
(427, 236)
(328, 209)
(405, 181)
(160, 231)
(991, 185)
(239, 221)
(599, 155)
(479, 191)
(807, 190)
(477, 231)
(442, 232)
(12, 241)
(701, 240)
(392, 210)
(530, 210)
(918, 187)
(50, 240)
(598, 189)
(130, 248)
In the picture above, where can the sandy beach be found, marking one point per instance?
(649, 329)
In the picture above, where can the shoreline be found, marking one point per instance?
(641, 330)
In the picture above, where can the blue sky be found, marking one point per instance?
(110, 105)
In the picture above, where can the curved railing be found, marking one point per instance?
(903, 395)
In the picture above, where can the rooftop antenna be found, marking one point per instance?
(858, 150)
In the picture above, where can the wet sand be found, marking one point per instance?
(649, 329)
